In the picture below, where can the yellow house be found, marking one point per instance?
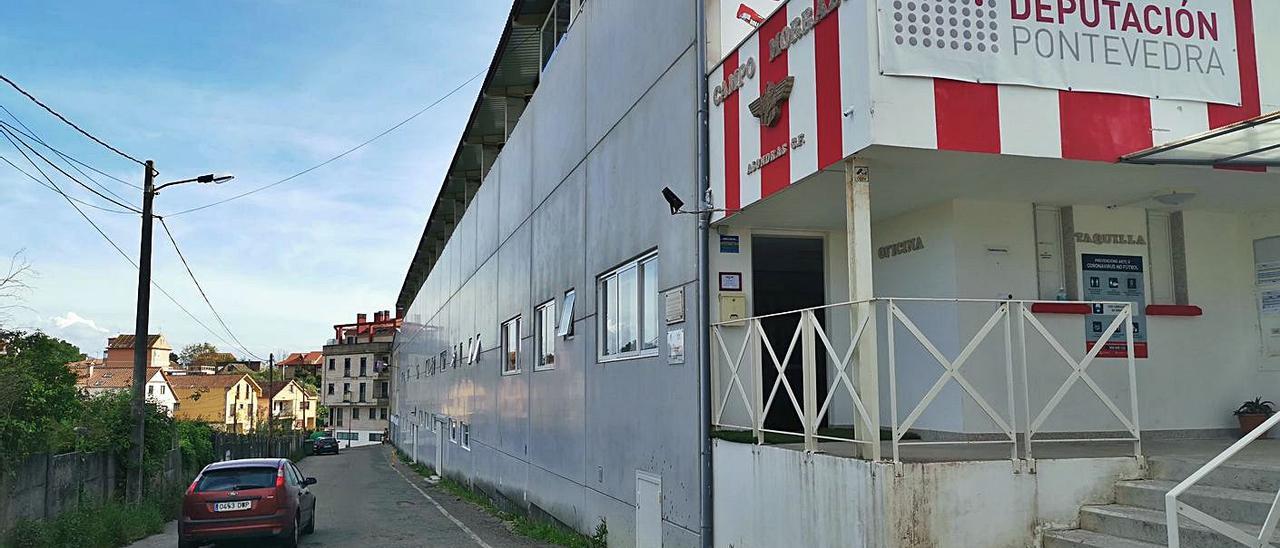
(227, 402)
(292, 405)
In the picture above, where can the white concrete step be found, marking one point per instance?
(1080, 538)
(1253, 477)
(1147, 525)
(1220, 502)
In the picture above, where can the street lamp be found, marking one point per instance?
(134, 485)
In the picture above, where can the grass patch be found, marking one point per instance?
(106, 525)
(523, 525)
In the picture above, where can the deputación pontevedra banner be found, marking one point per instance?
(1173, 49)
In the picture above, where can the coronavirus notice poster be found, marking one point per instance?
(1114, 279)
(1173, 49)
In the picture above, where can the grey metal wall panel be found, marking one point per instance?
(558, 241)
(485, 206)
(629, 44)
(557, 412)
(559, 142)
(516, 161)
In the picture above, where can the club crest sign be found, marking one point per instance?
(768, 107)
(1171, 49)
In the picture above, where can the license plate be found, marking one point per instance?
(232, 506)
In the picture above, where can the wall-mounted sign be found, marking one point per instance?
(1115, 278)
(734, 81)
(800, 26)
(1098, 238)
(729, 243)
(730, 281)
(1166, 49)
(674, 305)
(675, 346)
(768, 107)
(901, 248)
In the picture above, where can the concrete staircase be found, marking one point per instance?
(1240, 494)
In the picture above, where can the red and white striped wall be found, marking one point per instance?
(841, 104)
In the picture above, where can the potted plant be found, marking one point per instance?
(1253, 413)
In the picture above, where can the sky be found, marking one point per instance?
(259, 89)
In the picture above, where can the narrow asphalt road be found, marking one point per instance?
(366, 498)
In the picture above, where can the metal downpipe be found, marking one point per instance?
(704, 296)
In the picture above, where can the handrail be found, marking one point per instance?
(738, 368)
(1172, 508)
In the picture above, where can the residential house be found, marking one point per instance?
(227, 402)
(84, 368)
(292, 405)
(100, 380)
(301, 361)
(237, 366)
(119, 351)
(356, 383)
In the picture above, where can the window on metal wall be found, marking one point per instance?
(453, 431)
(565, 328)
(544, 336)
(475, 351)
(466, 436)
(511, 346)
(628, 297)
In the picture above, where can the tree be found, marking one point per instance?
(13, 284)
(38, 396)
(197, 355)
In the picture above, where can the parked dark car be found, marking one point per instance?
(247, 498)
(326, 444)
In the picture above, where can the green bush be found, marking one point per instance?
(107, 424)
(38, 395)
(196, 441)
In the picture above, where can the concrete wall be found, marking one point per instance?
(44, 486)
(835, 501)
(574, 193)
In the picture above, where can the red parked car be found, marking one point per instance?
(247, 498)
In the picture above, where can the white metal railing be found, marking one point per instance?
(753, 350)
(1173, 508)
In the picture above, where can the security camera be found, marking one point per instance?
(672, 200)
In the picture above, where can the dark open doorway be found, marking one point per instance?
(787, 274)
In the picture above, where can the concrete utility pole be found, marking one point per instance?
(133, 486)
(141, 339)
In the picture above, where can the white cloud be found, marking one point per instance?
(72, 319)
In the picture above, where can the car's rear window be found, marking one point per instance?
(235, 479)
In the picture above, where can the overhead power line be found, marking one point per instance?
(64, 119)
(8, 133)
(31, 134)
(46, 185)
(203, 295)
(116, 246)
(411, 117)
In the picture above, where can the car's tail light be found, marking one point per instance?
(192, 488)
(279, 477)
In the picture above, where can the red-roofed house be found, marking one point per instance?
(301, 361)
(109, 379)
(120, 351)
